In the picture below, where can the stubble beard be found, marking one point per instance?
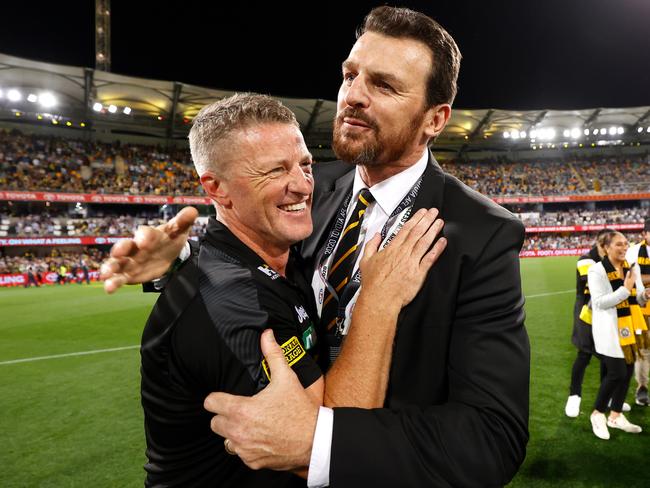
(377, 151)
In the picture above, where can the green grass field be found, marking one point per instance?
(77, 421)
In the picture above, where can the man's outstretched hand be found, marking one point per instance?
(273, 429)
(149, 254)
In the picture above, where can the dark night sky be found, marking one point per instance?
(558, 54)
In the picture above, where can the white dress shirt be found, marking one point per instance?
(388, 195)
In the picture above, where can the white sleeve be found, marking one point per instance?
(640, 289)
(321, 450)
(601, 295)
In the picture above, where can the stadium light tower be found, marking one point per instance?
(103, 35)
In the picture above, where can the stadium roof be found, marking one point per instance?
(164, 109)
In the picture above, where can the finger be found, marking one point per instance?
(124, 248)
(111, 285)
(274, 356)
(406, 228)
(424, 243)
(182, 222)
(223, 403)
(221, 425)
(371, 247)
(432, 256)
(419, 229)
(147, 238)
(108, 268)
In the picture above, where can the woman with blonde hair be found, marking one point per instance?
(616, 293)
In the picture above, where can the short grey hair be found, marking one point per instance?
(219, 120)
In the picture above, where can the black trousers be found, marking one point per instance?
(578, 372)
(615, 383)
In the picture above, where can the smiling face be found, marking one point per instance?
(382, 116)
(617, 248)
(265, 195)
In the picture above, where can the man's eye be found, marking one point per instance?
(384, 86)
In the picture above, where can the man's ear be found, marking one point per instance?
(436, 120)
(216, 188)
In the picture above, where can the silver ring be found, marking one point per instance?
(227, 446)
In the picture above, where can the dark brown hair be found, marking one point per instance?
(406, 23)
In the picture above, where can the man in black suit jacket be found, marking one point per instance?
(456, 409)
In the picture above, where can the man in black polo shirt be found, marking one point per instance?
(203, 334)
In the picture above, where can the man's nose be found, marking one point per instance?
(357, 93)
(301, 182)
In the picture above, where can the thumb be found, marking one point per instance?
(182, 222)
(275, 360)
(371, 247)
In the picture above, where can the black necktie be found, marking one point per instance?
(342, 263)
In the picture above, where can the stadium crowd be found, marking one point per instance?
(584, 217)
(38, 162)
(581, 240)
(70, 259)
(43, 225)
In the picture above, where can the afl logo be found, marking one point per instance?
(625, 333)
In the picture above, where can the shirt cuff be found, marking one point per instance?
(319, 464)
(185, 252)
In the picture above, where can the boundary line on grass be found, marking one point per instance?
(551, 293)
(114, 349)
(70, 354)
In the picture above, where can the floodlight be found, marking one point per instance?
(126, 110)
(566, 133)
(82, 124)
(648, 129)
(14, 95)
(97, 107)
(575, 133)
(586, 132)
(1, 94)
(620, 130)
(46, 99)
(55, 122)
(112, 109)
(522, 134)
(32, 98)
(533, 134)
(603, 131)
(68, 123)
(595, 132)
(514, 134)
(612, 131)
(506, 135)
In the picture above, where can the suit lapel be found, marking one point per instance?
(431, 191)
(326, 203)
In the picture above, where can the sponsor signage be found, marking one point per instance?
(39, 196)
(582, 228)
(58, 241)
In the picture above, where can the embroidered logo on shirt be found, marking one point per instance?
(292, 350)
(274, 275)
(302, 313)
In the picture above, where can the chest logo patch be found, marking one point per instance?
(302, 313)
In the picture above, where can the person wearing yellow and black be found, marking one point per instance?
(640, 254)
(205, 330)
(616, 293)
(581, 337)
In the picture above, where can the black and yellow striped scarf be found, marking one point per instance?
(630, 318)
(644, 265)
